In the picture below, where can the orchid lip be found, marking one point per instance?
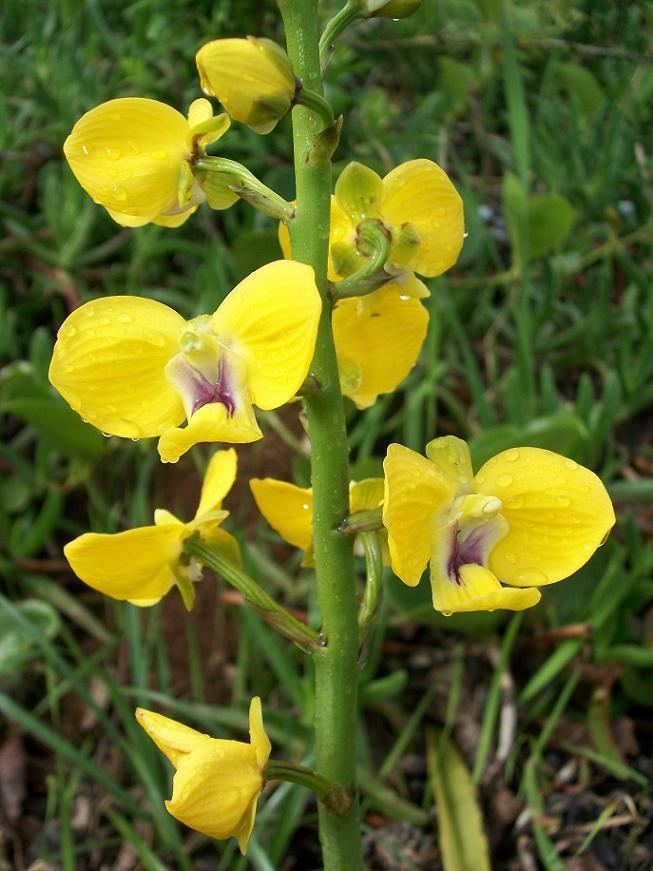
(200, 387)
(470, 550)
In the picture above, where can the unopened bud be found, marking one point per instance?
(253, 79)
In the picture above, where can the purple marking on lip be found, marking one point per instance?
(204, 392)
(463, 553)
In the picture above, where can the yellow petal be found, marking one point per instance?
(247, 826)
(415, 493)
(134, 565)
(172, 738)
(359, 192)
(342, 232)
(411, 285)
(270, 321)
(257, 734)
(451, 456)
(127, 154)
(378, 339)
(558, 513)
(218, 480)
(287, 508)
(421, 194)
(214, 787)
(108, 364)
(252, 78)
(478, 590)
(199, 112)
(175, 220)
(129, 220)
(211, 423)
(366, 495)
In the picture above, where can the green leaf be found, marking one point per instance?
(35, 404)
(550, 219)
(515, 210)
(15, 645)
(582, 87)
(463, 844)
(456, 81)
(563, 432)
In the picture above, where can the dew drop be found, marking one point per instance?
(155, 338)
(107, 435)
(532, 576)
(159, 154)
(446, 613)
(564, 501)
(85, 150)
(514, 502)
(505, 480)
(570, 464)
(113, 153)
(512, 558)
(104, 322)
(604, 539)
(119, 193)
(135, 440)
(480, 479)
(70, 368)
(306, 507)
(512, 455)
(124, 318)
(560, 481)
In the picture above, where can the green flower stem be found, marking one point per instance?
(373, 582)
(244, 183)
(336, 671)
(331, 795)
(339, 23)
(316, 104)
(270, 610)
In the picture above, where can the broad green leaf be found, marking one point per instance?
(563, 432)
(15, 645)
(550, 219)
(582, 87)
(463, 844)
(456, 80)
(37, 405)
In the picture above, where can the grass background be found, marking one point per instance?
(541, 112)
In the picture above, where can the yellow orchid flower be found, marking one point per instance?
(253, 79)
(529, 517)
(135, 368)
(132, 156)
(289, 508)
(217, 782)
(141, 565)
(346, 259)
(378, 338)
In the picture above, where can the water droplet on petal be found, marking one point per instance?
(85, 150)
(446, 613)
(560, 481)
(532, 576)
(159, 154)
(564, 501)
(113, 153)
(107, 435)
(505, 480)
(512, 558)
(570, 464)
(124, 318)
(155, 338)
(512, 455)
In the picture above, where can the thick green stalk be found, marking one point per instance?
(336, 670)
